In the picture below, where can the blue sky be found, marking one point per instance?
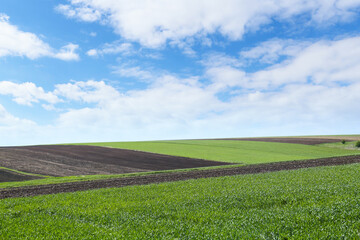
(116, 70)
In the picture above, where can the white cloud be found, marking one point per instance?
(171, 107)
(220, 60)
(9, 121)
(13, 130)
(134, 71)
(14, 42)
(163, 105)
(88, 92)
(112, 48)
(226, 77)
(185, 108)
(270, 51)
(324, 62)
(315, 91)
(153, 23)
(86, 14)
(92, 53)
(27, 93)
(67, 53)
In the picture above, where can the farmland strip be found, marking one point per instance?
(176, 176)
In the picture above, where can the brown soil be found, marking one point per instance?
(10, 176)
(70, 160)
(306, 141)
(177, 176)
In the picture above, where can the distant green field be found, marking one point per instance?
(350, 145)
(316, 203)
(241, 152)
(246, 152)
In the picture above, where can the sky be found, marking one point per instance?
(116, 70)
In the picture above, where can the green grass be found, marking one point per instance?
(246, 152)
(317, 203)
(56, 180)
(240, 152)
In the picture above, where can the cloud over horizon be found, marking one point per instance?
(185, 69)
(178, 105)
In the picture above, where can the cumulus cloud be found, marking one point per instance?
(324, 62)
(14, 42)
(67, 53)
(162, 107)
(8, 120)
(319, 83)
(112, 48)
(270, 51)
(154, 23)
(13, 129)
(125, 70)
(89, 92)
(84, 13)
(182, 107)
(27, 93)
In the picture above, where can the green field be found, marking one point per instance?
(55, 180)
(245, 152)
(240, 152)
(316, 203)
(349, 145)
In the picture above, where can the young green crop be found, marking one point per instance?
(317, 203)
(242, 152)
(68, 179)
(247, 152)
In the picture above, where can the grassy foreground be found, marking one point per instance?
(317, 203)
(246, 152)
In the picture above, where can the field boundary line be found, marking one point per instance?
(176, 176)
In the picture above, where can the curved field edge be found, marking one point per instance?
(246, 152)
(57, 180)
(316, 203)
(349, 137)
(23, 173)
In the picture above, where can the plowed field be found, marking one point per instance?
(70, 160)
(176, 176)
(10, 176)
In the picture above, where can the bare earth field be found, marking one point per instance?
(71, 160)
(297, 140)
(176, 176)
(10, 176)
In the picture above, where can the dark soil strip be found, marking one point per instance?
(177, 176)
(10, 176)
(306, 141)
(72, 160)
